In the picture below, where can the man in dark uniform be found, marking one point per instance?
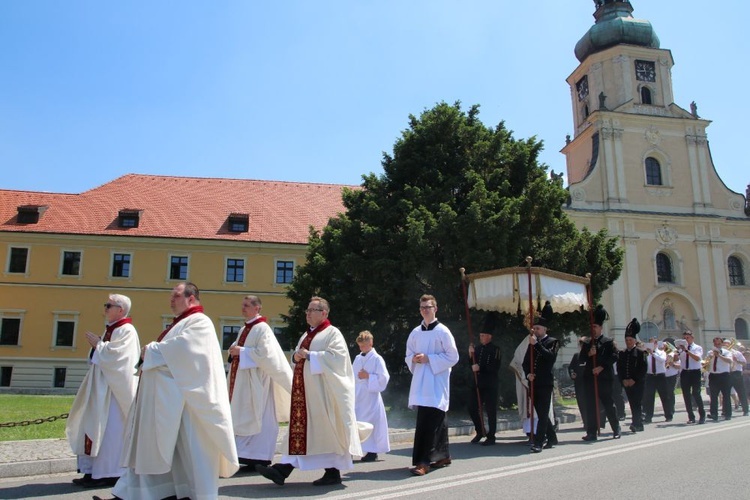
(541, 377)
(575, 371)
(485, 363)
(631, 368)
(599, 355)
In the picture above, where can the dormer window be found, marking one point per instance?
(128, 218)
(30, 214)
(238, 223)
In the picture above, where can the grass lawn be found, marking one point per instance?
(20, 407)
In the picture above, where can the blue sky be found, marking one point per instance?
(315, 91)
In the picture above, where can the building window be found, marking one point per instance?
(238, 223)
(10, 330)
(284, 271)
(645, 95)
(18, 259)
(6, 373)
(64, 332)
(664, 271)
(121, 265)
(128, 218)
(649, 330)
(59, 380)
(228, 336)
(736, 272)
(235, 270)
(740, 329)
(29, 214)
(71, 263)
(178, 268)
(653, 172)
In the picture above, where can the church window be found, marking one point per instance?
(740, 329)
(736, 272)
(653, 172)
(664, 272)
(646, 95)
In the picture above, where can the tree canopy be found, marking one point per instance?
(454, 193)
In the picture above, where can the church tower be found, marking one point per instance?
(639, 165)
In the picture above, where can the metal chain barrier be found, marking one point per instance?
(24, 423)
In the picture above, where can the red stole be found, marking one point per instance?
(87, 442)
(236, 359)
(187, 312)
(298, 417)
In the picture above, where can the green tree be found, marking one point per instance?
(454, 193)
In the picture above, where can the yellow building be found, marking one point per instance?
(140, 235)
(640, 166)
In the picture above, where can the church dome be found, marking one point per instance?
(615, 25)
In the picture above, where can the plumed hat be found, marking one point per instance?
(600, 315)
(541, 321)
(490, 323)
(633, 328)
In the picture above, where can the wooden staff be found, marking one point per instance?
(473, 354)
(531, 351)
(593, 358)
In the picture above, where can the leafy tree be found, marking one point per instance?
(454, 193)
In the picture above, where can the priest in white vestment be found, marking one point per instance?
(371, 379)
(430, 354)
(323, 430)
(260, 384)
(96, 422)
(180, 438)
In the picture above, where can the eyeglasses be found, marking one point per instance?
(426, 308)
(108, 305)
(310, 311)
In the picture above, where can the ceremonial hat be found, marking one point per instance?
(600, 315)
(490, 323)
(633, 328)
(541, 321)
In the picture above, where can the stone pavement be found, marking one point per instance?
(49, 456)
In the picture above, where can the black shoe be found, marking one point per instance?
(549, 445)
(536, 449)
(489, 441)
(476, 439)
(97, 497)
(668, 419)
(646, 420)
(589, 437)
(369, 457)
(331, 477)
(616, 433)
(80, 481)
(702, 420)
(715, 419)
(104, 482)
(276, 473)
(727, 418)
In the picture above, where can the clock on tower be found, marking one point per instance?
(645, 71)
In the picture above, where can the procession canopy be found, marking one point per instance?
(506, 290)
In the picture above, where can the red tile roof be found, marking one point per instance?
(182, 207)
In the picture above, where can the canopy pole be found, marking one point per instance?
(480, 409)
(531, 351)
(589, 292)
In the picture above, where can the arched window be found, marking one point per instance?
(645, 95)
(653, 172)
(740, 329)
(648, 330)
(736, 272)
(664, 272)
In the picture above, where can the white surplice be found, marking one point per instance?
(261, 395)
(369, 402)
(102, 403)
(430, 383)
(522, 389)
(180, 437)
(332, 431)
